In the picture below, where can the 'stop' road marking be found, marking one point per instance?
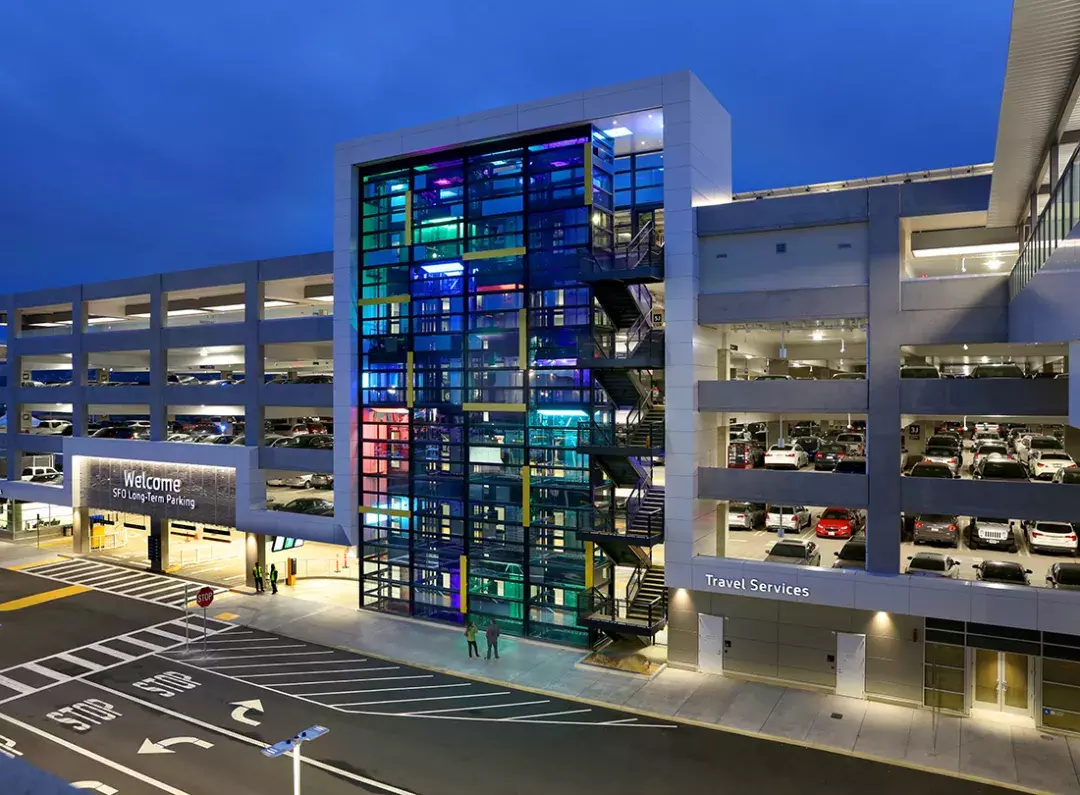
(42, 598)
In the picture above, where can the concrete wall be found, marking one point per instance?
(824, 397)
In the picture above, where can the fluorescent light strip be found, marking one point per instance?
(960, 251)
(618, 132)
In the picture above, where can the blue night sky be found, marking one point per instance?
(139, 136)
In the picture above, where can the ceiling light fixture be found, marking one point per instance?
(562, 413)
(618, 132)
(448, 268)
(324, 298)
(994, 264)
(817, 336)
(976, 248)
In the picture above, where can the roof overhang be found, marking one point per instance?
(1038, 99)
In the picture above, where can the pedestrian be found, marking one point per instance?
(492, 633)
(257, 575)
(273, 579)
(470, 637)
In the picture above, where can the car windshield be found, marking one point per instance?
(944, 452)
(1005, 572)
(853, 552)
(918, 372)
(994, 468)
(990, 520)
(937, 518)
(806, 441)
(1044, 443)
(788, 550)
(857, 466)
(998, 371)
(931, 471)
(927, 563)
(740, 506)
(835, 513)
(1068, 574)
(1070, 475)
(1057, 528)
(1053, 456)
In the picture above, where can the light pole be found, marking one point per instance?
(293, 744)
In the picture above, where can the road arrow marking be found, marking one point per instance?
(149, 747)
(240, 713)
(96, 786)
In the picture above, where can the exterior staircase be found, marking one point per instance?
(651, 589)
(649, 432)
(647, 516)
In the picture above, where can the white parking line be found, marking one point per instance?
(324, 673)
(112, 652)
(163, 633)
(46, 672)
(474, 708)
(247, 640)
(385, 689)
(339, 681)
(291, 673)
(430, 698)
(548, 714)
(264, 656)
(618, 722)
(142, 644)
(210, 655)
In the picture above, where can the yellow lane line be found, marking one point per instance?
(42, 598)
(22, 566)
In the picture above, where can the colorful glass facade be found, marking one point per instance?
(475, 394)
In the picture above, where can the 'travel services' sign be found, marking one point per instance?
(756, 586)
(162, 490)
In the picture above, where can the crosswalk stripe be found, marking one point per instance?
(113, 577)
(164, 634)
(102, 649)
(142, 644)
(47, 672)
(71, 658)
(18, 687)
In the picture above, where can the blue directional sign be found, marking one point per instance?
(311, 734)
(278, 749)
(283, 747)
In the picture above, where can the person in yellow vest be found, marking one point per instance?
(257, 575)
(273, 579)
(470, 637)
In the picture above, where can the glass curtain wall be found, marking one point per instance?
(472, 396)
(639, 195)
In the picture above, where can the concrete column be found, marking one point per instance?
(723, 439)
(254, 368)
(159, 426)
(80, 530)
(78, 368)
(254, 552)
(159, 528)
(884, 338)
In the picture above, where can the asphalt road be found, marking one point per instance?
(193, 722)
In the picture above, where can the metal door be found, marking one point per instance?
(850, 665)
(1002, 681)
(710, 644)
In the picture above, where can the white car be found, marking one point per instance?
(987, 449)
(987, 427)
(856, 442)
(1044, 464)
(1030, 442)
(944, 455)
(986, 437)
(1052, 537)
(50, 427)
(141, 425)
(786, 456)
(789, 517)
(302, 481)
(40, 474)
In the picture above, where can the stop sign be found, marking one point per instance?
(205, 597)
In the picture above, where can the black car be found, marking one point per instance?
(1008, 370)
(311, 441)
(851, 465)
(828, 454)
(114, 432)
(937, 528)
(919, 371)
(314, 378)
(947, 439)
(852, 555)
(1002, 571)
(999, 469)
(932, 469)
(310, 505)
(810, 444)
(1065, 576)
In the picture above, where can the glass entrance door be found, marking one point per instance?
(1001, 681)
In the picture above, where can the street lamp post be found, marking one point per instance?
(293, 744)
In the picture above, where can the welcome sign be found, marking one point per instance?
(162, 490)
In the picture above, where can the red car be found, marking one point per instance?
(839, 523)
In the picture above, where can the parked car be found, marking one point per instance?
(300, 481)
(1044, 464)
(746, 515)
(181, 379)
(179, 437)
(851, 465)
(944, 455)
(1052, 537)
(1028, 443)
(852, 555)
(849, 376)
(932, 564)
(1065, 576)
(115, 432)
(985, 449)
(790, 517)
(772, 378)
(946, 438)
(1003, 571)
(312, 441)
(1067, 475)
(1007, 370)
(810, 444)
(314, 378)
(322, 480)
(52, 428)
(919, 371)
(856, 442)
(745, 455)
(794, 551)
(992, 428)
(994, 467)
(839, 523)
(310, 505)
(1013, 435)
(937, 528)
(786, 456)
(828, 455)
(987, 532)
(274, 440)
(40, 474)
(931, 469)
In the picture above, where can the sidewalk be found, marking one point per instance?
(1018, 757)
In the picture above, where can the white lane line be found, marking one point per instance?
(142, 644)
(297, 662)
(18, 687)
(548, 714)
(474, 708)
(46, 672)
(430, 698)
(246, 640)
(334, 681)
(153, 782)
(264, 656)
(618, 722)
(71, 658)
(210, 656)
(245, 739)
(163, 633)
(385, 689)
(122, 656)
